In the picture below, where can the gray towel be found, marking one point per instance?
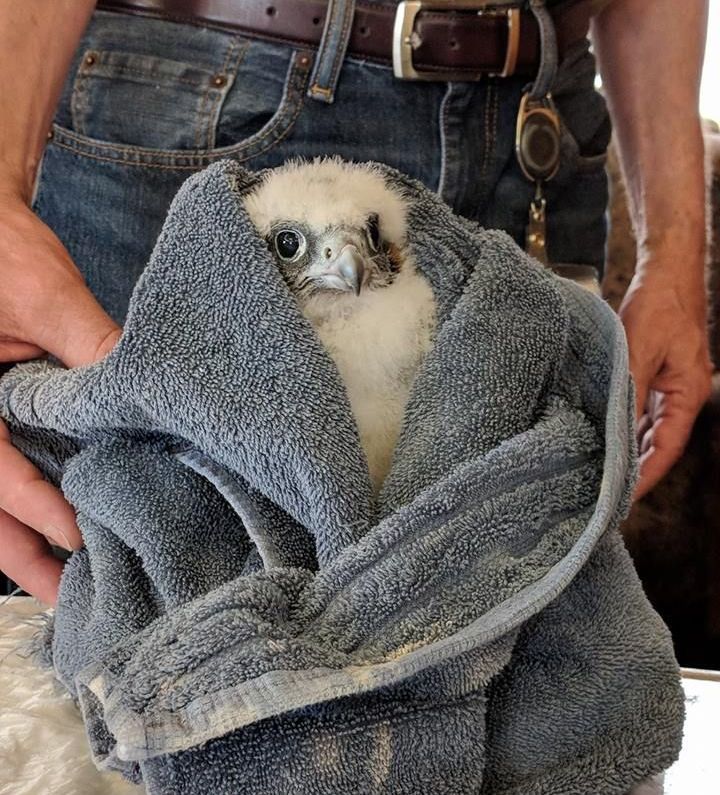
(245, 617)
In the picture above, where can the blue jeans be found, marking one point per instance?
(147, 102)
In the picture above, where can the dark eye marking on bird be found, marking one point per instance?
(290, 244)
(333, 258)
(373, 231)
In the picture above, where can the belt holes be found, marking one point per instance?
(454, 45)
(271, 11)
(364, 30)
(316, 20)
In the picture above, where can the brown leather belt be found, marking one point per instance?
(462, 43)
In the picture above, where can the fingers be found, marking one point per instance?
(46, 307)
(46, 304)
(27, 559)
(31, 508)
(11, 351)
(80, 332)
(663, 435)
(33, 501)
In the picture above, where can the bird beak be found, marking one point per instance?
(350, 267)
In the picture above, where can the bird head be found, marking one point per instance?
(336, 229)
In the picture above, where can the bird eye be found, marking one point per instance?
(289, 244)
(373, 231)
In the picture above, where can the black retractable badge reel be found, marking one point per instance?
(537, 134)
(537, 144)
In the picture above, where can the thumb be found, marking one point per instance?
(81, 332)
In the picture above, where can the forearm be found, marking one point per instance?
(650, 57)
(37, 42)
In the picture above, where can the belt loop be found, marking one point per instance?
(332, 49)
(548, 51)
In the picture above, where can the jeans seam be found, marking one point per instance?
(201, 114)
(340, 55)
(120, 69)
(78, 100)
(295, 84)
(491, 116)
(324, 90)
(332, 48)
(442, 121)
(211, 121)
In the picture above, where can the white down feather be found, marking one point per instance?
(377, 341)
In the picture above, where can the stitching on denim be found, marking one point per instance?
(233, 58)
(121, 69)
(204, 136)
(442, 124)
(333, 8)
(328, 89)
(340, 51)
(491, 111)
(496, 116)
(79, 101)
(329, 25)
(78, 120)
(209, 136)
(283, 119)
(294, 83)
(120, 161)
(201, 115)
(486, 127)
(78, 98)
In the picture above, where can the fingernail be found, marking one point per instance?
(57, 534)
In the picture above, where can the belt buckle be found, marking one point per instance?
(403, 32)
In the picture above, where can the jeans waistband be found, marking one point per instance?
(443, 43)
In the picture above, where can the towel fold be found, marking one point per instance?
(246, 617)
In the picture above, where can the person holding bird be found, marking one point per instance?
(123, 99)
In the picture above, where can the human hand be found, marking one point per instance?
(45, 306)
(670, 363)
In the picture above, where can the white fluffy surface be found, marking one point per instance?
(43, 748)
(377, 340)
(325, 191)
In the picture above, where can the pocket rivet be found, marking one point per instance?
(219, 80)
(304, 60)
(89, 60)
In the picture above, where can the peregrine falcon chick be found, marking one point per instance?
(337, 232)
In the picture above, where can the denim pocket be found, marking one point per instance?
(177, 122)
(139, 99)
(585, 121)
(106, 199)
(576, 158)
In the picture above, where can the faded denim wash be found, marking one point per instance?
(147, 102)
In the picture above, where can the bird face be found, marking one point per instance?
(339, 258)
(336, 230)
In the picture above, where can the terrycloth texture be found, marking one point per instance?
(245, 619)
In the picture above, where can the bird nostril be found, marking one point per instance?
(328, 253)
